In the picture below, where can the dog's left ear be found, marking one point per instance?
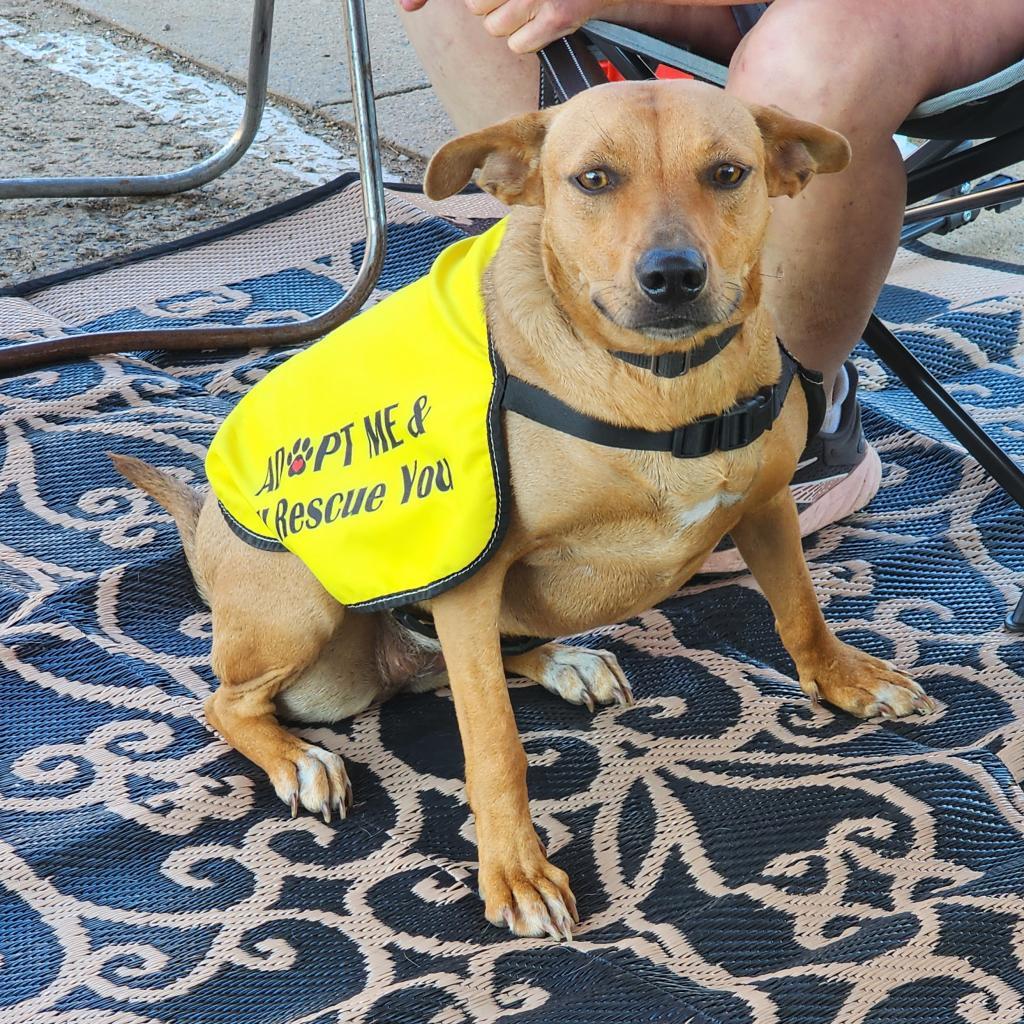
(797, 150)
(506, 154)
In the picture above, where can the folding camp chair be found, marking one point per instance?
(941, 171)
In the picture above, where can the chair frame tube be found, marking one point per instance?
(175, 181)
(36, 353)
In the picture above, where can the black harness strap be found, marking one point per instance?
(423, 624)
(675, 364)
(735, 428)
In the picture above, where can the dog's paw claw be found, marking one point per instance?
(585, 677)
(864, 685)
(561, 921)
(624, 694)
(530, 900)
(315, 779)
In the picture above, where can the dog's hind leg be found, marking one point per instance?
(576, 674)
(344, 680)
(271, 622)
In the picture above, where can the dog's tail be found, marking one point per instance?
(183, 503)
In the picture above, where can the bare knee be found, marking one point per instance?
(799, 57)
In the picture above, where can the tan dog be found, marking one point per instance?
(597, 534)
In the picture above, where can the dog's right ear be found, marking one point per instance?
(506, 154)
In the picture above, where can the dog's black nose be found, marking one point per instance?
(669, 276)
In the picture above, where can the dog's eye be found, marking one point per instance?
(729, 175)
(593, 180)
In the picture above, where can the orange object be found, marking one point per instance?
(612, 73)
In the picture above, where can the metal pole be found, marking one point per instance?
(176, 181)
(36, 353)
(946, 409)
(978, 200)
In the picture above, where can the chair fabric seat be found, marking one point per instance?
(987, 88)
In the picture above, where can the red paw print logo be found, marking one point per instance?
(302, 452)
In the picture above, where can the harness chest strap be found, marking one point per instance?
(735, 428)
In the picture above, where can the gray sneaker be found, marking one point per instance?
(837, 475)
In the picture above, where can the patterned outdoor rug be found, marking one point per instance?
(737, 856)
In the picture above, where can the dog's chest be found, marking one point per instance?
(683, 516)
(665, 511)
(623, 547)
(611, 533)
(687, 513)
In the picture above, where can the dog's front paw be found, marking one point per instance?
(578, 675)
(863, 685)
(315, 778)
(529, 896)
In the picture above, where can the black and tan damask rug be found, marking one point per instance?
(738, 857)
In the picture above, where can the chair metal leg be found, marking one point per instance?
(1003, 470)
(1015, 620)
(190, 177)
(946, 409)
(1005, 192)
(186, 339)
(952, 171)
(930, 152)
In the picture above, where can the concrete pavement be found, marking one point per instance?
(308, 66)
(81, 97)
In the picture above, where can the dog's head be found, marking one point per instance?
(654, 195)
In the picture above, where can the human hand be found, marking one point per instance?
(528, 25)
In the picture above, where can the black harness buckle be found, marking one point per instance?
(696, 438)
(672, 364)
(726, 433)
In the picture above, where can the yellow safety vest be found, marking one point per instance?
(376, 455)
